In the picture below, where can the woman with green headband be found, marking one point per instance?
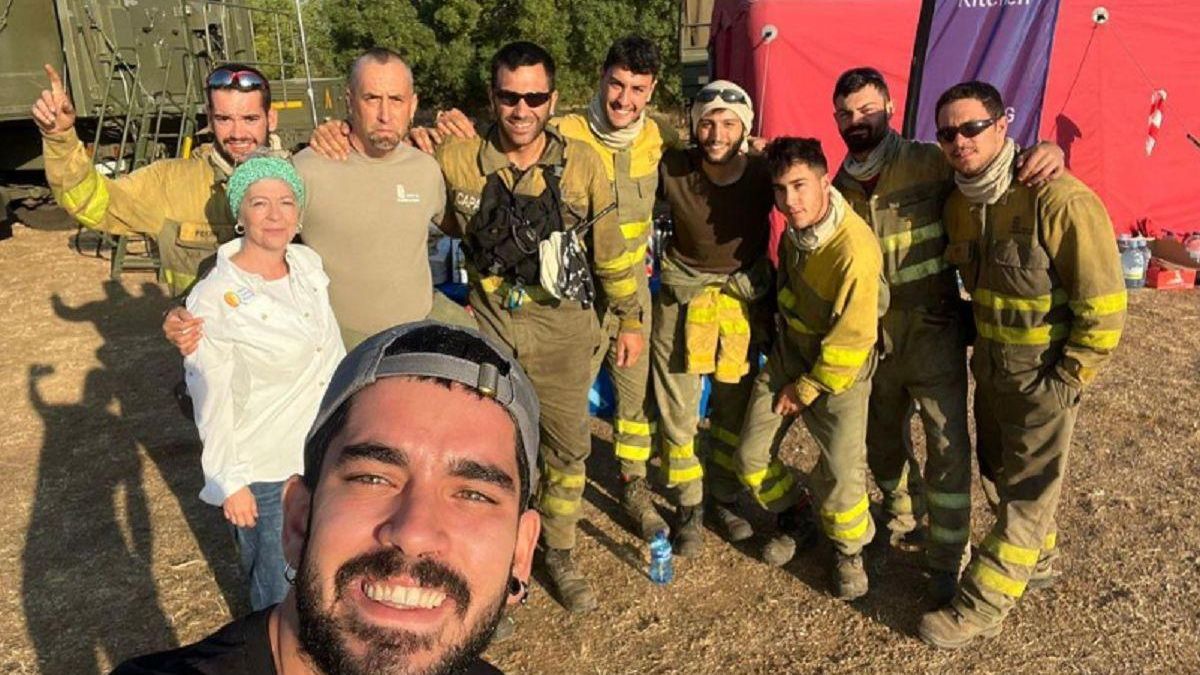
(269, 348)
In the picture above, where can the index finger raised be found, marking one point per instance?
(56, 83)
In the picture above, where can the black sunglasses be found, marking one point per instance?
(533, 99)
(243, 80)
(727, 95)
(967, 129)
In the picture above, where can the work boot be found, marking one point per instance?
(574, 591)
(796, 530)
(949, 628)
(635, 500)
(943, 586)
(849, 576)
(733, 526)
(909, 541)
(689, 537)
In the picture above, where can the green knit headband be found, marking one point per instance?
(257, 168)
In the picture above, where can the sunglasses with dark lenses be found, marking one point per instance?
(244, 80)
(533, 99)
(727, 95)
(967, 129)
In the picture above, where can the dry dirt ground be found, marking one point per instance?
(106, 551)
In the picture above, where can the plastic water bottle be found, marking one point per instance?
(1134, 257)
(662, 569)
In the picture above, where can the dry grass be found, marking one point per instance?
(106, 551)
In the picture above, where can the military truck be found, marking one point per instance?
(135, 71)
(695, 20)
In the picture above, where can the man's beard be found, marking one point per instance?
(734, 148)
(234, 161)
(863, 142)
(385, 142)
(324, 636)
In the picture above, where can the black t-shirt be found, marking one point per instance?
(240, 648)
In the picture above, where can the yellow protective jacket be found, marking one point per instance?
(829, 299)
(633, 173)
(181, 203)
(1044, 275)
(905, 211)
(586, 191)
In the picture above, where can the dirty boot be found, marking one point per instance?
(949, 628)
(733, 526)
(1044, 575)
(796, 530)
(689, 535)
(849, 576)
(574, 591)
(943, 586)
(635, 500)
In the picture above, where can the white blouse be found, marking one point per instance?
(269, 350)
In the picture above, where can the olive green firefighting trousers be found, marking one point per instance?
(1025, 422)
(838, 424)
(553, 341)
(927, 365)
(633, 431)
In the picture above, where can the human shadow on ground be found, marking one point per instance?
(88, 586)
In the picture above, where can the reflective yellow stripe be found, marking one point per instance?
(798, 326)
(835, 381)
(724, 435)
(850, 534)
(633, 428)
(621, 288)
(786, 298)
(754, 479)
(178, 281)
(1096, 339)
(1101, 305)
(701, 315)
(635, 230)
(1011, 553)
(946, 535)
(991, 579)
(687, 451)
(636, 453)
(777, 491)
(842, 356)
(87, 201)
(566, 480)
(906, 239)
(914, 272)
(950, 500)
(498, 286)
(1000, 301)
(847, 516)
(723, 460)
(1038, 335)
(1050, 541)
(556, 506)
(677, 476)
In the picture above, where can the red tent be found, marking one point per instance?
(1096, 103)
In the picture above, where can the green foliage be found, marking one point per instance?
(448, 43)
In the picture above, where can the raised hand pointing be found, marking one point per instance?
(53, 111)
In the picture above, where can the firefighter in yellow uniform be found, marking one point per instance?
(630, 143)
(1045, 279)
(508, 191)
(180, 203)
(830, 298)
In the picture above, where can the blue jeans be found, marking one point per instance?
(261, 547)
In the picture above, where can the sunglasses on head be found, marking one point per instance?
(533, 99)
(243, 80)
(967, 129)
(727, 95)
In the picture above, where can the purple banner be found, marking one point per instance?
(1003, 42)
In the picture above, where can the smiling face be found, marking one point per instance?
(239, 123)
(862, 118)
(269, 212)
(625, 95)
(719, 133)
(802, 195)
(382, 103)
(522, 124)
(413, 533)
(970, 156)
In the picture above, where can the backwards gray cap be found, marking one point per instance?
(376, 358)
